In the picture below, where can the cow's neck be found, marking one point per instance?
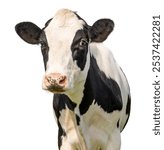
(76, 94)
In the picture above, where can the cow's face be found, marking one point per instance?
(65, 47)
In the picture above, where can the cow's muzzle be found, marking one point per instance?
(55, 82)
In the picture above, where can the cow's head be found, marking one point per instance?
(65, 43)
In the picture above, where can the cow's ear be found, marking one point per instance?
(29, 32)
(100, 30)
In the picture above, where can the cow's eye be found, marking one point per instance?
(83, 42)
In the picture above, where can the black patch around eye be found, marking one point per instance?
(79, 48)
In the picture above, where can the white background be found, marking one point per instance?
(26, 115)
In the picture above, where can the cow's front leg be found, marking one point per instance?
(68, 143)
(114, 142)
(69, 131)
(65, 145)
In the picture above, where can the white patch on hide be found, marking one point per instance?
(98, 126)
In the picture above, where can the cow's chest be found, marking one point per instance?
(92, 130)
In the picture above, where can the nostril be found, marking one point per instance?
(55, 80)
(62, 80)
(50, 80)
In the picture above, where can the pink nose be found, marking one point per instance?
(55, 81)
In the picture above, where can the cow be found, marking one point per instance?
(91, 95)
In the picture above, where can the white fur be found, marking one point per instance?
(97, 130)
(97, 126)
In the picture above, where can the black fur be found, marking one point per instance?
(105, 91)
(29, 32)
(101, 29)
(79, 49)
(128, 110)
(44, 48)
(48, 22)
(61, 133)
(118, 123)
(128, 105)
(77, 119)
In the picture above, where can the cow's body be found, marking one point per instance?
(92, 95)
(96, 123)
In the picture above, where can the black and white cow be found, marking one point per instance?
(91, 93)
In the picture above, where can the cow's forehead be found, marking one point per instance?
(65, 22)
(65, 17)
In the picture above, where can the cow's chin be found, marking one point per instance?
(55, 90)
(69, 89)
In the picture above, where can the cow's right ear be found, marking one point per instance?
(29, 32)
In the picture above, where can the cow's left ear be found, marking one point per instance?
(100, 30)
(29, 32)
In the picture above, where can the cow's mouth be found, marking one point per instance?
(54, 89)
